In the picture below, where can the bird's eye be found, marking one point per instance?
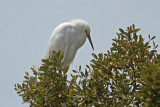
(87, 32)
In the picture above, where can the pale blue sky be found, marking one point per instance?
(26, 25)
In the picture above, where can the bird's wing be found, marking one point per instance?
(59, 39)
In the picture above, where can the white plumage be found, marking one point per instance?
(69, 37)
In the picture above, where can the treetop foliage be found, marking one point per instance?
(126, 75)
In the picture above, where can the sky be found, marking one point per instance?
(26, 26)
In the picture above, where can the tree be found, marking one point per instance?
(128, 74)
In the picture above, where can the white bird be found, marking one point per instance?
(69, 37)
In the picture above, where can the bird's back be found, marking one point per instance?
(60, 40)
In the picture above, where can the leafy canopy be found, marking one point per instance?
(128, 74)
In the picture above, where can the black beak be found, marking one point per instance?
(89, 38)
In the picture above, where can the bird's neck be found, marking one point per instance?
(81, 38)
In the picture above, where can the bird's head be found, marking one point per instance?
(83, 27)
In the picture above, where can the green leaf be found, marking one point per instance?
(94, 55)
(86, 73)
(84, 83)
(27, 73)
(26, 77)
(153, 37)
(87, 66)
(149, 36)
(79, 68)
(70, 92)
(154, 44)
(82, 74)
(114, 44)
(121, 30)
(74, 71)
(136, 30)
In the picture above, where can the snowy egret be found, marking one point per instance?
(69, 37)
